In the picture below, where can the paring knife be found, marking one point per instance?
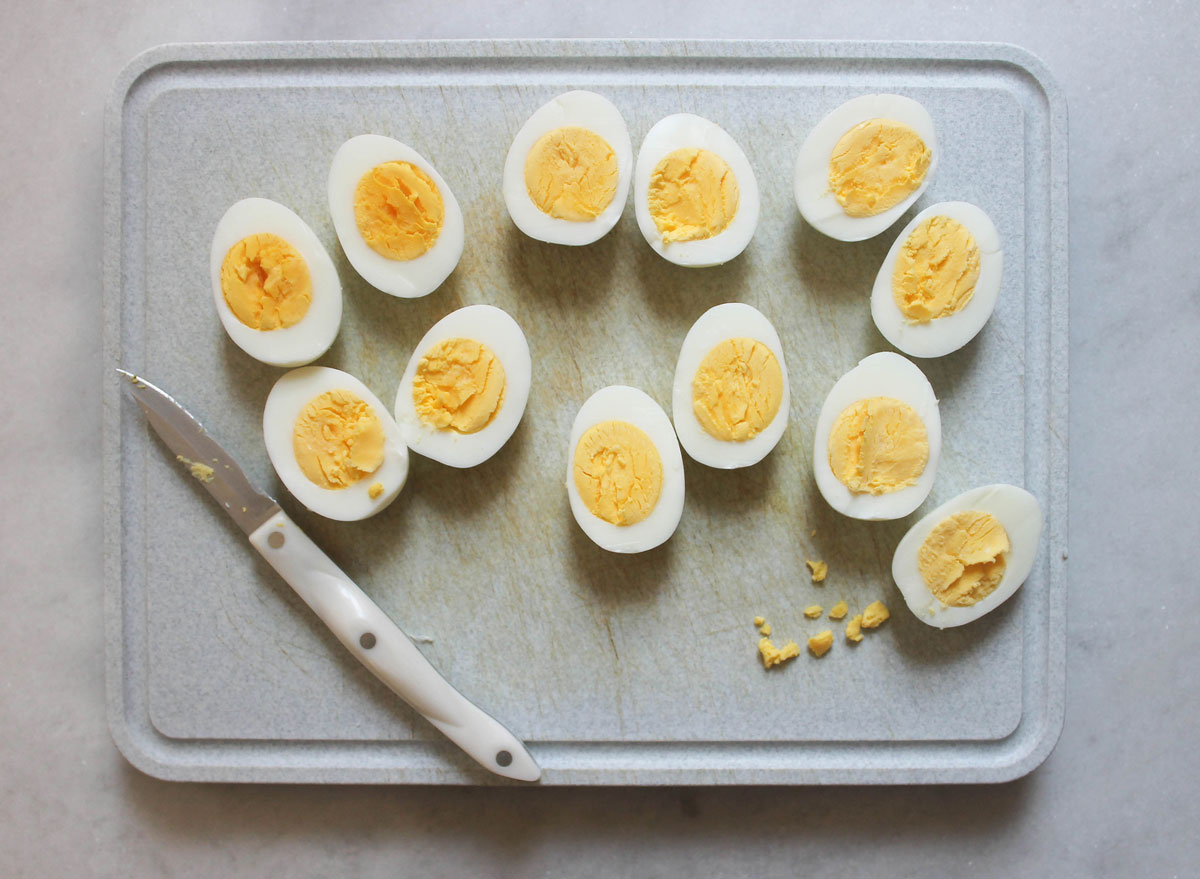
(364, 629)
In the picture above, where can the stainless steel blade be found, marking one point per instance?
(202, 456)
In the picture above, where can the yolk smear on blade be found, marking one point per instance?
(398, 210)
(693, 195)
(266, 282)
(876, 165)
(338, 440)
(459, 385)
(571, 174)
(962, 561)
(878, 445)
(737, 390)
(618, 472)
(936, 270)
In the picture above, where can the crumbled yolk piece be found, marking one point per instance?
(338, 439)
(839, 611)
(854, 628)
(398, 210)
(198, 469)
(819, 570)
(571, 174)
(876, 165)
(812, 611)
(758, 621)
(618, 472)
(266, 282)
(820, 643)
(693, 195)
(878, 445)
(936, 270)
(874, 615)
(772, 655)
(962, 560)
(737, 390)
(459, 386)
(375, 490)
(765, 629)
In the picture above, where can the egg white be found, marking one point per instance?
(728, 321)
(944, 334)
(680, 131)
(1020, 514)
(816, 200)
(622, 403)
(408, 279)
(286, 401)
(495, 328)
(585, 110)
(311, 336)
(880, 375)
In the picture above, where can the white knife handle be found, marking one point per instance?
(368, 633)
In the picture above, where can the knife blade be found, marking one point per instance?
(362, 627)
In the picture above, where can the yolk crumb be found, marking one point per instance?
(618, 472)
(839, 611)
(758, 621)
(571, 174)
(266, 282)
(878, 445)
(737, 390)
(772, 655)
(874, 615)
(820, 643)
(812, 611)
(693, 195)
(375, 490)
(854, 628)
(876, 165)
(936, 270)
(459, 386)
(765, 629)
(819, 570)
(337, 439)
(198, 469)
(962, 561)
(399, 210)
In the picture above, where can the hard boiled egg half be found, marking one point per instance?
(731, 395)
(939, 283)
(969, 555)
(624, 471)
(333, 444)
(399, 224)
(696, 198)
(567, 174)
(465, 388)
(276, 289)
(864, 165)
(878, 439)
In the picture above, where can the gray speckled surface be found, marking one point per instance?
(615, 669)
(1114, 799)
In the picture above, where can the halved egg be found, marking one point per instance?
(696, 198)
(938, 285)
(399, 224)
(465, 388)
(731, 396)
(878, 439)
(277, 292)
(567, 173)
(969, 555)
(624, 471)
(333, 444)
(864, 164)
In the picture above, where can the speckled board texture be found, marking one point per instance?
(615, 669)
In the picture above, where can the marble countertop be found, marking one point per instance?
(1114, 799)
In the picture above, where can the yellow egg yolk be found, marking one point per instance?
(962, 560)
(693, 195)
(618, 472)
(571, 174)
(338, 439)
(772, 655)
(839, 611)
(876, 165)
(936, 270)
(266, 282)
(398, 210)
(459, 386)
(878, 445)
(874, 615)
(737, 390)
(820, 643)
(854, 628)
